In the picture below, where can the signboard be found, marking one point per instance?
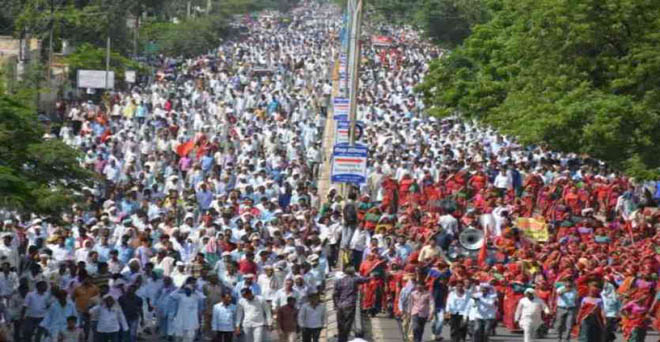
(340, 108)
(383, 41)
(349, 164)
(343, 75)
(342, 131)
(95, 79)
(534, 229)
(129, 76)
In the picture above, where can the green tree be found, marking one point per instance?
(89, 57)
(577, 75)
(36, 175)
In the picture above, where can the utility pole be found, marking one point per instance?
(188, 9)
(107, 50)
(50, 41)
(354, 64)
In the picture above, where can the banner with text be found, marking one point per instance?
(340, 107)
(349, 164)
(533, 228)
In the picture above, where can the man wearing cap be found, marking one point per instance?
(8, 251)
(529, 314)
(188, 313)
(248, 282)
(268, 283)
(253, 316)
(566, 308)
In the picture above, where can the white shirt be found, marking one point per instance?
(457, 304)
(529, 311)
(359, 240)
(502, 181)
(483, 307)
(8, 283)
(449, 224)
(268, 285)
(312, 317)
(253, 313)
(109, 319)
(11, 254)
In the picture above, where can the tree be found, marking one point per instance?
(445, 21)
(36, 175)
(577, 75)
(89, 57)
(188, 38)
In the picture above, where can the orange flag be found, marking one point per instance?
(483, 252)
(185, 148)
(106, 134)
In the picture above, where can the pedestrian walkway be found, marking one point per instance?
(383, 329)
(327, 145)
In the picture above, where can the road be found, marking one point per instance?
(504, 335)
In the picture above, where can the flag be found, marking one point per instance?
(185, 148)
(483, 251)
(106, 135)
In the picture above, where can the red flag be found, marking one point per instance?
(483, 251)
(185, 148)
(106, 134)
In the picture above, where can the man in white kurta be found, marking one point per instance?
(186, 319)
(253, 316)
(529, 314)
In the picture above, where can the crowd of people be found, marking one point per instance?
(203, 226)
(208, 224)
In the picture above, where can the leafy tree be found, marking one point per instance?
(577, 75)
(89, 57)
(444, 21)
(36, 175)
(187, 38)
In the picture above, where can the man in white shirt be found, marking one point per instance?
(312, 318)
(8, 251)
(8, 280)
(252, 316)
(483, 310)
(503, 181)
(457, 308)
(358, 244)
(529, 314)
(34, 310)
(111, 320)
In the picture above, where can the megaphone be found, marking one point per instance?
(471, 239)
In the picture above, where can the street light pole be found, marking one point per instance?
(50, 41)
(354, 64)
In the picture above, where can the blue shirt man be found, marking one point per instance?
(224, 315)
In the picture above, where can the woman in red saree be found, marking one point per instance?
(512, 295)
(372, 299)
(634, 320)
(590, 322)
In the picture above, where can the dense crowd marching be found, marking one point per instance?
(208, 224)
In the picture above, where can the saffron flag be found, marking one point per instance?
(185, 148)
(106, 135)
(483, 251)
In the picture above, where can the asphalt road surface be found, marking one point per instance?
(504, 335)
